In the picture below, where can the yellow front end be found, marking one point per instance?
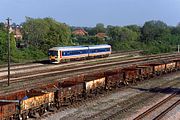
(53, 57)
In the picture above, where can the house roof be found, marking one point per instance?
(101, 35)
(80, 32)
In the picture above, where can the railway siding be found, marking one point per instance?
(53, 72)
(156, 110)
(29, 67)
(54, 80)
(58, 77)
(174, 114)
(90, 108)
(38, 81)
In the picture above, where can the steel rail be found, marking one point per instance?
(72, 68)
(61, 71)
(114, 115)
(150, 110)
(160, 116)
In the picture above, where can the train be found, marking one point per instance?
(29, 103)
(62, 54)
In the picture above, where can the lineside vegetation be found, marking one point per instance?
(41, 34)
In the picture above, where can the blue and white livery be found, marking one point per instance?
(59, 54)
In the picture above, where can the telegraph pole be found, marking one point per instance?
(178, 48)
(8, 27)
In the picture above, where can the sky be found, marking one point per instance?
(90, 12)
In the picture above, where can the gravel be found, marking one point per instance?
(173, 114)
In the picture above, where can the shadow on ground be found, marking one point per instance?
(167, 90)
(43, 62)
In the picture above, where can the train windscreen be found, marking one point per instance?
(53, 53)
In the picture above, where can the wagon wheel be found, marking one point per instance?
(115, 85)
(71, 100)
(11, 118)
(120, 84)
(96, 91)
(58, 105)
(16, 117)
(134, 81)
(125, 82)
(41, 111)
(24, 116)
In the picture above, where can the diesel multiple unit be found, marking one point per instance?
(60, 54)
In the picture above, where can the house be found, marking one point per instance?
(16, 30)
(101, 35)
(80, 32)
(17, 33)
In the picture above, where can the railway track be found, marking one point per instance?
(91, 99)
(38, 66)
(112, 113)
(57, 70)
(30, 81)
(104, 66)
(42, 74)
(160, 116)
(47, 76)
(161, 103)
(19, 66)
(77, 104)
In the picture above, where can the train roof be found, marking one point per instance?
(99, 46)
(79, 47)
(69, 48)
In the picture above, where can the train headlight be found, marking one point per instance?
(52, 57)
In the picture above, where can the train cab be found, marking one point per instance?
(54, 55)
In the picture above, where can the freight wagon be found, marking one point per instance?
(158, 68)
(113, 79)
(170, 66)
(8, 110)
(35, 102)
(177, 61)
(42, 99)
(93, 84)
(145, 72)
(130, 75)
(17, 95)
(68, 92)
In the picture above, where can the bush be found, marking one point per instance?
(27, 54)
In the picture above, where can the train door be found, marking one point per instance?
(60, 56)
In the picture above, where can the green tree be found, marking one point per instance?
(153, 30)
(2, 26)
(122, 37)
(46, 33)
(176, 30)
(3, 45)
(98, 29)
(134, 28)
(122, 34)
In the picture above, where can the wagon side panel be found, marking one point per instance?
(8, 110)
